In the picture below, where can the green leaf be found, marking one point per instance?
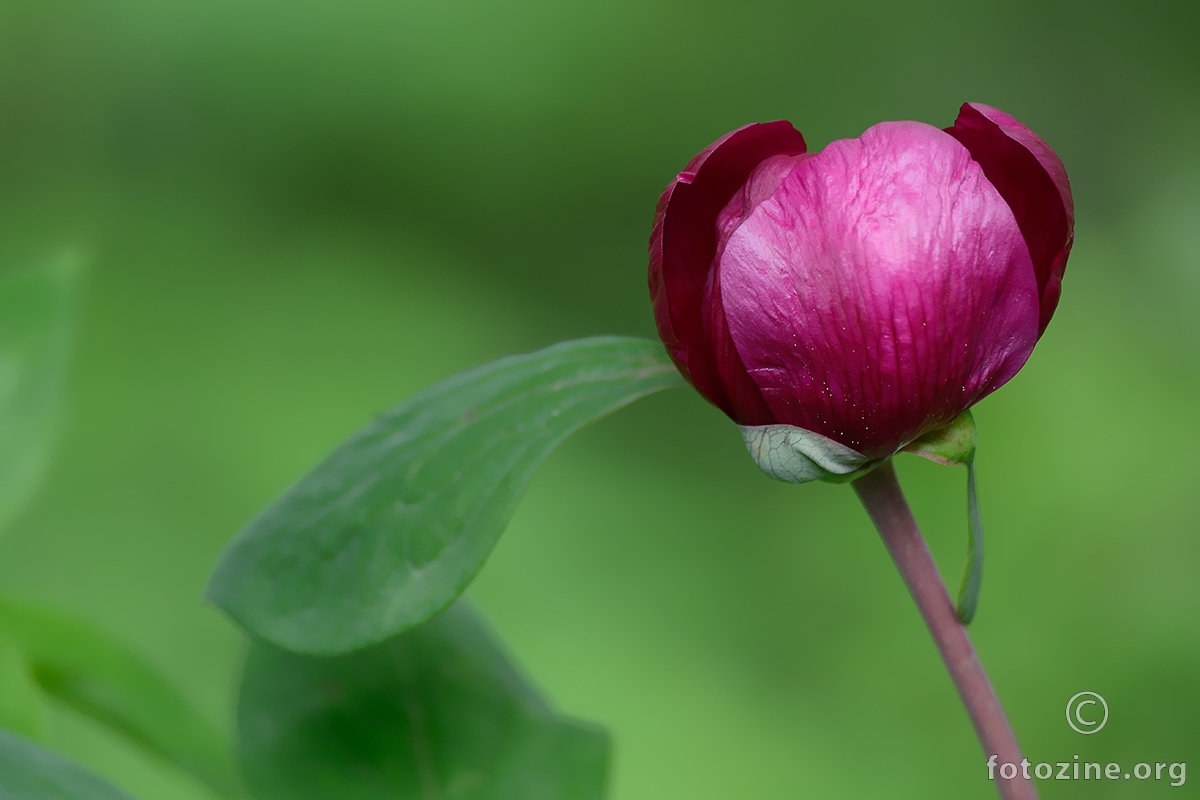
(952, 445)
(102, 680)
(391, 527)
(437, 712)
(35, 327)
(27, 772)
(21, 706)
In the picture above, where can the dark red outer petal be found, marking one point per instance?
(1032, 180)
(682, 248)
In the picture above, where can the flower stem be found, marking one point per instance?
(881, 495)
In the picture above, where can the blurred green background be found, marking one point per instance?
(298, 213)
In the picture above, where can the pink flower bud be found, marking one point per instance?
(869, 293)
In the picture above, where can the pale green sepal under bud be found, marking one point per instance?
(953, 445)
(796, 455)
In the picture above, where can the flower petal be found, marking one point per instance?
(687, 305)
(1033, 181)
(884, 288)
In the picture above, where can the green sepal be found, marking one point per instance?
(952, 445)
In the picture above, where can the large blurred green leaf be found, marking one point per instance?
(437, 712)
(394, 524)
(106, 682)
(28, 772)
(35, 319)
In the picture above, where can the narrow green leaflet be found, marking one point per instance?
(391, 527)
(84, 670)
(35, 327)
(972, 579)
(436, 713)
(22, 708)
(953, 445)
(27, 772)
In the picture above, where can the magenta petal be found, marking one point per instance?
(881, 290)
(1032, 179)
(687, 305)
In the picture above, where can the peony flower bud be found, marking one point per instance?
(841, 305)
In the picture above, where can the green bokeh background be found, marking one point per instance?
(298, 213)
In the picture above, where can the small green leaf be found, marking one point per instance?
(102, 680)
(27, 772)
(391, 527)
(35, 327)
(21, 706)
(437, 712)
(952, 445)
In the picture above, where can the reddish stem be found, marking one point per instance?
(881, 495)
